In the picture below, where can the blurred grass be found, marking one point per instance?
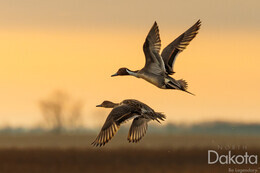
(49, 153)
(152, 141)
(114, 160)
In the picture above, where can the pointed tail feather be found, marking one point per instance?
(179, 84)
(189, 92)
(184, 86)
(160, 116)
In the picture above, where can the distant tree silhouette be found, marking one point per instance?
(60, 112)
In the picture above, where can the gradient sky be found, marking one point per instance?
(75, 45)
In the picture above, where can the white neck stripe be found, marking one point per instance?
(131, 73)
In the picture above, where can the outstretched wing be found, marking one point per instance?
(117, 116)
(151, 48)
(137, 129)
(170, 52)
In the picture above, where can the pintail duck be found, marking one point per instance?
(121, 112)
(158, 67)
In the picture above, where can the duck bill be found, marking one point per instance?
(98, 106)
(114, 75)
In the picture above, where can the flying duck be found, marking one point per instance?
(121, 112)
(158, 67)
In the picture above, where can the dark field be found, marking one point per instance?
(123, 160)
(162, 154)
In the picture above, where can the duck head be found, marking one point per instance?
(121, 72)
(125, 71)
(107, 104)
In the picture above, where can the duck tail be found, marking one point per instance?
(184, 86)
(160, 116)
(183, 83)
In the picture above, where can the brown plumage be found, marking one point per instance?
(171, 51)
(137, 130)
(158, 67)
(121, 112)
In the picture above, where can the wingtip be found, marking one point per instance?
(93, 144)
(155, 24)
(198, 23)
(98, 144)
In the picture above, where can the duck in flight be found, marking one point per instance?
(121, 112)
(158, 66)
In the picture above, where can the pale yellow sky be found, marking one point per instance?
(76, 45)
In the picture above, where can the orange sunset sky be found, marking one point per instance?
(75, 45)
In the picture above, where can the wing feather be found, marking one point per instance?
(170, 52)
(152, 45)
(117, 116)
(137, 129)
(153, 38)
